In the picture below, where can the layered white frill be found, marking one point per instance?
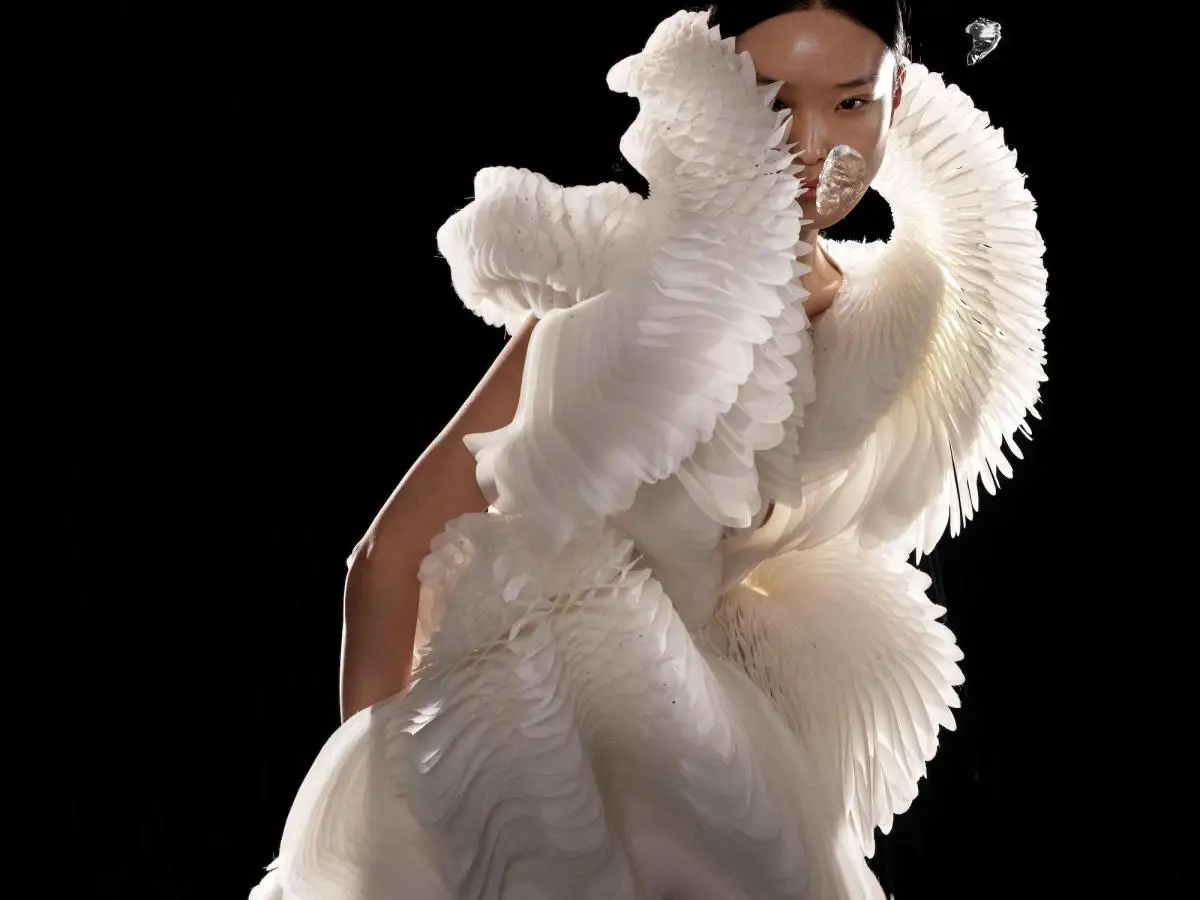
(682, 358)
(927, 365)
(932, 358)
(615, 698)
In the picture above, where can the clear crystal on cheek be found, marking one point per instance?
(842, 181)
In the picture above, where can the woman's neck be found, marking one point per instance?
(823, 281)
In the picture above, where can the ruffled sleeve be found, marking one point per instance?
(625, 387)
(525, 245)
(932, 358)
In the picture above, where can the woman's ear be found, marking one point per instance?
(898, 89)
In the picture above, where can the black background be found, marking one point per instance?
(241, 199)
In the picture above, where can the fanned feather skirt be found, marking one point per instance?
(567, 737)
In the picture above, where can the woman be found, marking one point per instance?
(669, 644)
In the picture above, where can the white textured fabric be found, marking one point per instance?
(935, 342)
(848, 647)
(626, 689)
(680, 365)
(555, 247)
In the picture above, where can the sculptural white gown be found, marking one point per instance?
(630, 684)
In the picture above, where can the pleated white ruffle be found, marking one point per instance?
(932, 357)
(568, 737)
(684, 365)
(610, 701)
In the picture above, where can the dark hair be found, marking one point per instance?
(884, 17)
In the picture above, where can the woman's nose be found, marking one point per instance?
(808, 137)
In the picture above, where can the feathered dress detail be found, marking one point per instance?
(630, 686)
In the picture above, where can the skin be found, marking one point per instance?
(382, 588)
(842, 85)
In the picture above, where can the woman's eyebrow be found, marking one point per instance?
(860, 81)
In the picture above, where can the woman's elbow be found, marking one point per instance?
(379, 619)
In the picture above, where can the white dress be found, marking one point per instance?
(630, 686)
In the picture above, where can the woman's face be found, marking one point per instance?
(841, 84)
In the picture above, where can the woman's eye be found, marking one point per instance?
(849, 105)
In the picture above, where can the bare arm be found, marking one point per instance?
(380, 604)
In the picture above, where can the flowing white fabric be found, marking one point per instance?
(935, 341)
(629, 685)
